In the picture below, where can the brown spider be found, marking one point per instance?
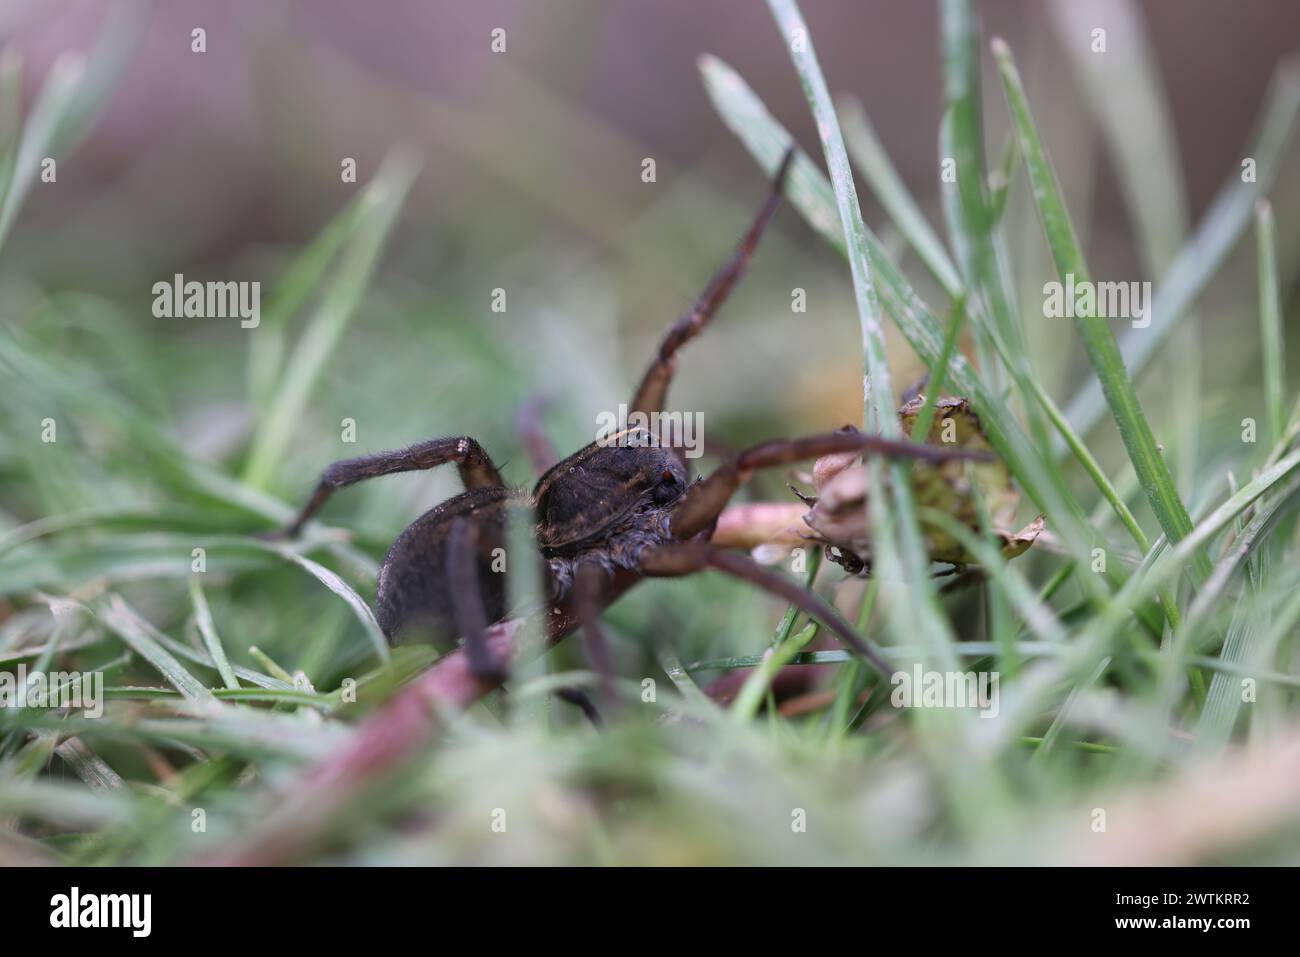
(603, 518)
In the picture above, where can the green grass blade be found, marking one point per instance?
(1128, 104)
(131, 629)
(983, 254)
(292, 291)
(11, 120)
(345, 591)
(1126, 100)
(1160, 569)
(1270, 322)
(338, 304)
(49, 114)
(809, 191)
(1001, 178)
(1224, 701)
(961, 142)
(73, 93)
(872, 161)
(1218, 232)
(756, 684)
(1098, 339)
(89, 766)
(211, 641)
(939, 372)
(880, 411)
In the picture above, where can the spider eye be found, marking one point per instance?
(667, 489)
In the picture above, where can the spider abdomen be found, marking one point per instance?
(414, 602)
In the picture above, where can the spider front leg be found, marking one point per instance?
(699, 508)
(475, 467)
(685, 558)
(653, 392)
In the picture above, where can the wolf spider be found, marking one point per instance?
(603, 518)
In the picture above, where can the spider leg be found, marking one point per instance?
(589, 587)
(653, 391)
(702, 503)
(475, 467)
(467, 602)
(528, 426)
(685, 558)
(582, 701)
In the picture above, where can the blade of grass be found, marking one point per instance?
(786, 624)
(50, 111)
(345, 591)
(292, 291)
(1161, 567)
(868, 154)
(1239, 639)
(879, 410)
(1215, 236)
(758, 681)
(1270, 322)
(88, 765)
(1128, 104)
(961, 142)
(899, 553)
(1098, 339)
(939, 372)
(339, 300)
(810, 193)
(195, 656)
(127, 625)
(783, 648)
(73, 92)
(985, 258)
(11, 119)
(1000, 179)
(685, 684)
(211, 641)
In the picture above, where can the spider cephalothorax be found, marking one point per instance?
(616, 511)
(606, 505)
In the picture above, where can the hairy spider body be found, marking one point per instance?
(604, 505)
(414, 598)
(614, 512)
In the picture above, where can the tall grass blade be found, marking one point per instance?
(338, 304)
(1098, 339)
